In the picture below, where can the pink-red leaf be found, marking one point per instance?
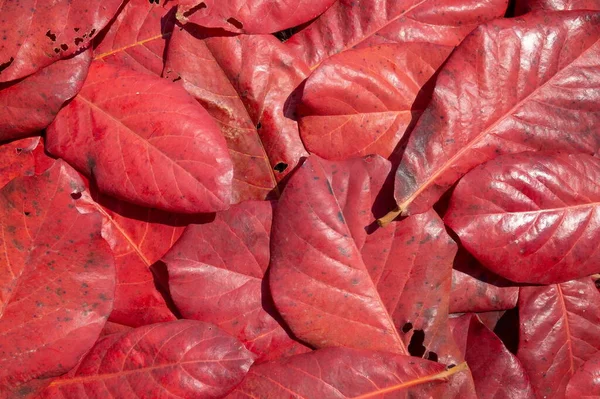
(585, 382)
(137, 38)
(244, 82)
(497, 372)
(178, 359)
(362, 101)
(560, 330)
(29, 105)
(525, 6)
(491, 98)
(38, 33)
(17, 159)
(344, 373)
(144, 140)
(216, 275)
(250, 16)
(57, 279)
(475, 289)
(531, 217)
(349, 24)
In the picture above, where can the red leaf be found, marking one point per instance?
(216, 275)
(16, 159)
(29, 105)
(497, 372)
(250, 16)
(347, 24)
(474, 289)
(114, 328)
(144, 140)
(362, 101)
(44, 32)
(138, 237)
(540, 214)
(56, 279)
(490, 99)
(560, 330)
(525, 6)
(348, 373)
(336, 285)
(138, 36)
(244, 82)
(585, 382)
(183, 358)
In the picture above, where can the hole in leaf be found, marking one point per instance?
(258, 125)
(75, 196)
(280, 167)
(6, 64)
(451, 366)
(92, 32)
(64, 47)
(51, 35)
(19, 150)
(194, 9)
(432, 356)
(26, 213)
(78, 40)
(416, 348)
(177, 78)
(76, 29)
(56, 50)
(154, 1)
(235, 23)
(407, 327)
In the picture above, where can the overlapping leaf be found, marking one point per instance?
(475, 289)
(250, 16)
(585, 382)
(138, 37)
(245, 83)
(29, 105)
(349, 24)
(362, 101)
(540, 212)
(525, 6)
(497, 372)
(36, 34)
(513, 85)
(144, 140)
(184, 358)
(560, 330)
(216, 275)
(16, 159)
(364, 374)
(335, 284)
(57, 279)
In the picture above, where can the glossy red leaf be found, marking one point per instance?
(585, 382)
(531, 217)
(183, 358)
(216, 273)
(44, 32)
(138, 237)
(349, 24)
(30, 104)
(362, 101)
(560, 330)
(138, 37)
(475, 289)
(344, 373)
(16, 159)
(336, 285)
(490, 99)
(497, 372)
(244, 82)
(491, 319)
(525, 6)
(250, 16)
(144, 140)
(57, 279)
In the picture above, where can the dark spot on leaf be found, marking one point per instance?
(51, 35)
(64, 46)
(416, 347)
(6, 64)
(75, 196)
(340, 217)
(258, 125)
(154, 1)
(194, 9)
(329, 187)
(235, 23)
(280, 167)
(26, 213)
(76, 29)
(451, 366)
(407, 327)
(177, 78)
